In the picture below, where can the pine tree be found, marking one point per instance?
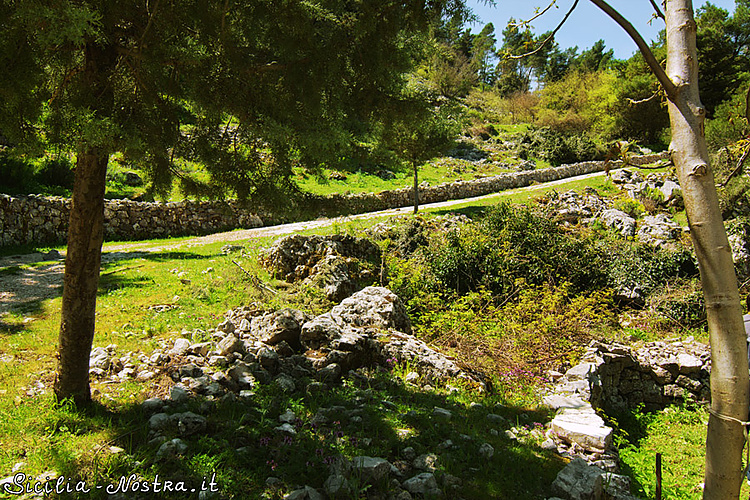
(224, 82)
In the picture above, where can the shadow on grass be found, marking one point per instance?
(241, 445)
(632, 427)
(473, 212)
(114, 266)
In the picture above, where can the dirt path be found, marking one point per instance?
(25, 288)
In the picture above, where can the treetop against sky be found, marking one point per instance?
(586, 25)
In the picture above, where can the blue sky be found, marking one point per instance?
(585, 26)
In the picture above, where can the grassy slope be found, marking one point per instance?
(67, 440)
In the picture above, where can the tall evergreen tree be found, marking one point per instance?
(209, 80)
(723, 48)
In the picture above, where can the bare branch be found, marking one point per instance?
(68, 76)
(659, 13)
(550, 37)
(536, 16)
(643, 101)
(738, 169)
(669, 87)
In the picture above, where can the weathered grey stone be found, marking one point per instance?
(486, 451)
(671, 191)
(229, 344)
(579, 481)
(274, 327)
(100, 358)
(306, 493)
(583, 427)
(159, 422)
(329, 373)
(286, 383)
(180, 347)
(188, 423)
(171, 449)
(286, 428)
(242, 376)
(371, 469)
(688, 364)
(337, 487)
(427, 462)
(423, 484)
(152, 405)
(373, 306)
(619, 220)
(441, 413)
(178, 394)
(658, 229)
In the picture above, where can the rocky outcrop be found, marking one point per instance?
(658, 230)
(253, 346)
(572, 206)
(657, 187)
(619, 220)
(337, 264)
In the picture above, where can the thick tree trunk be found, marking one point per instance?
(729, 370)
(85, 237)
(416, 188)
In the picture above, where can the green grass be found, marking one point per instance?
(679, 434)
(45, 437)
(394, 415)
(434, 173)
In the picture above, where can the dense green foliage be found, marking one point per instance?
(512, 244)
(247, 91)
(557, 147)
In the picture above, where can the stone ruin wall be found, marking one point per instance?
(43, 220)
(616, 377)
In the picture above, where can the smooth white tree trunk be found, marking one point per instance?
(729, 367)
(730, 392)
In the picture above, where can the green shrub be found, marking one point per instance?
(633, 208)
(17, 176)
(512, 243)
(56, 172)
(557, 147)
(684, 309)
(634, 265)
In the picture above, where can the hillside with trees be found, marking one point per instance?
(388, 358)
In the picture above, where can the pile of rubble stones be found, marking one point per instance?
(572, 207)
(289, 348)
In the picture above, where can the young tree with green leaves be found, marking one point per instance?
(730, 384)
(230, 83)
(420, 127)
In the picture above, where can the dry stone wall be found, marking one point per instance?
(43, 220)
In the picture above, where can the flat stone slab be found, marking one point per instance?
(582, 427)
(558, 401)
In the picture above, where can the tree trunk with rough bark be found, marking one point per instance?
(85, 238)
